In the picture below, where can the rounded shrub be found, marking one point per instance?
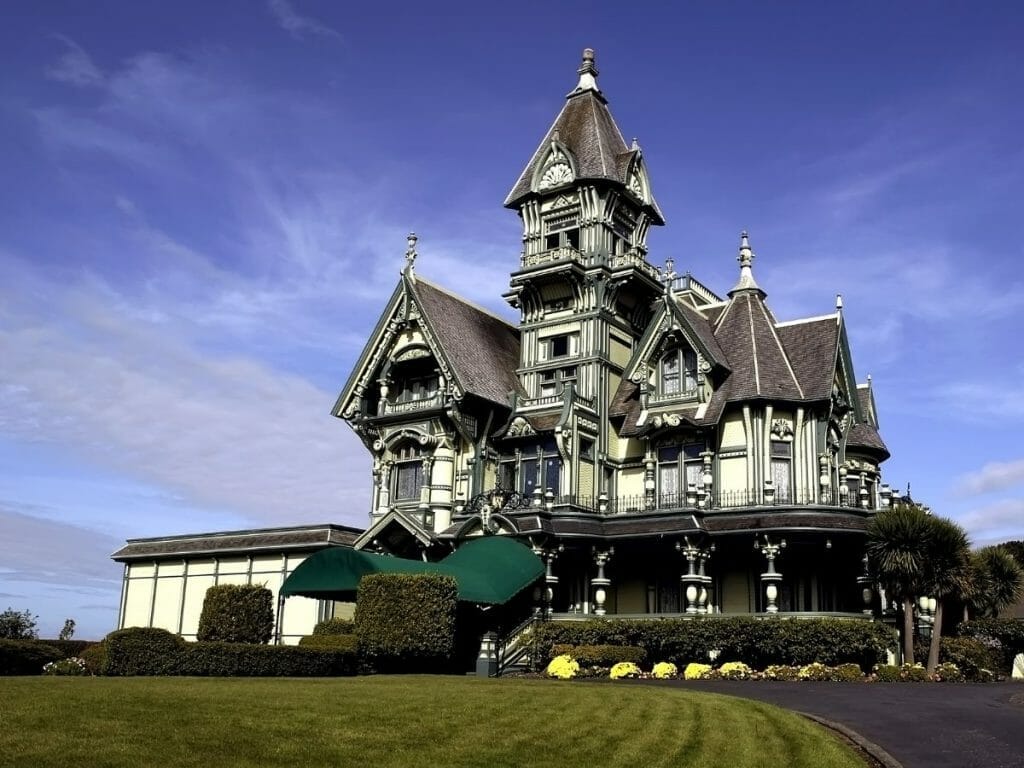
(563, 667)
(624, 669)
(696, 671)
(142, 651)
(665, 670)
(237, 613)
(336, 626)
(735, 670)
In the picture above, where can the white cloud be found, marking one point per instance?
(75, 66)
(999, 521)
(296, 25)
(992, 477)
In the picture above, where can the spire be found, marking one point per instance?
(588, 74)
(746, 260)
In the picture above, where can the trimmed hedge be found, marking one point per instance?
(68, 647)
(335, 627)
(757, 642)
(248, 660)
(237, 613)
(1005, 638)
(406, 622)
(601, 655)
(95, 656)
(26, 657)
(340, 642)
(142, 651)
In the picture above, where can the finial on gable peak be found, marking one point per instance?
(588, 73)
(410, 254)
(839, 302)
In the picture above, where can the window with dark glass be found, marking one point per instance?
(679, 371)
(537, 466)
(553, 381)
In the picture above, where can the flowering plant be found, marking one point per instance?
(695, 671)
(735, 670)
(624, 669)
(948, 672)
(72, 666)
(815, 671)
(781, 672)
(665, 670)
(563, 667)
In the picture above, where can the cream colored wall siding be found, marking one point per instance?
(631, 482)
(732, 474)
(585, 481)
(195, 593)
(167, 605)
(138, 603)
(733, 434)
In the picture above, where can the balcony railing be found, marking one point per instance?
(406, 406)
(701, 501)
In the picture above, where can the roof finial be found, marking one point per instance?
(839, 302)
(668, 275)
(588, 72)
(746, 260)
(410, 254)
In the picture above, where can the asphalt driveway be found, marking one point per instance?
(931, 725)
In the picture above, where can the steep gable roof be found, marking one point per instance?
(482, 348)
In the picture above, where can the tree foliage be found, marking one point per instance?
(18, 625)
(998, 580)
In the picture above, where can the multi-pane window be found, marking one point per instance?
(537, 466)
(679, 371)
(679, 467)
(420, 388)
(782, 465)
(408, 473)
(552, 381)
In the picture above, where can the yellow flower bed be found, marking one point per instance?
(624, 669)
(695, 671)
(563, 667)
(735, 670)
(665, 670)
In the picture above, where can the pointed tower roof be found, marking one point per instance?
(586, 129)
(746, 260)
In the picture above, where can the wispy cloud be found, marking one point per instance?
(992, 477)
(297, 25)
(999, 521)
(75, 66)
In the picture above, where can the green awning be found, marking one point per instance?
(491, 569)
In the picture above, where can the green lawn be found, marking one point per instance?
(395, 721)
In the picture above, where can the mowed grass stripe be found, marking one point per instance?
(395, 722)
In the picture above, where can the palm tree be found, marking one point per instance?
(998, 580)
(947, 573)
(897, 555)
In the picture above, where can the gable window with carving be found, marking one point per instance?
(408, 473)
(534, 465)
(680, 474)
(677, 370)
(415, 384)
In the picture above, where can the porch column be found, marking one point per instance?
(770, 578)
(599, 582)
(691, 580)
(548, 556)
(866, 591)
(705, 580)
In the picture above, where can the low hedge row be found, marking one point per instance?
(68, 647)
(601, 655)
(149, 651)
(757, 642)
(26, 657)
(339, 642)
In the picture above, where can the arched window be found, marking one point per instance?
(679, 371)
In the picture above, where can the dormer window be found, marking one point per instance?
(679, 371)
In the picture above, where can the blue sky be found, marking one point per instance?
(204, 209)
